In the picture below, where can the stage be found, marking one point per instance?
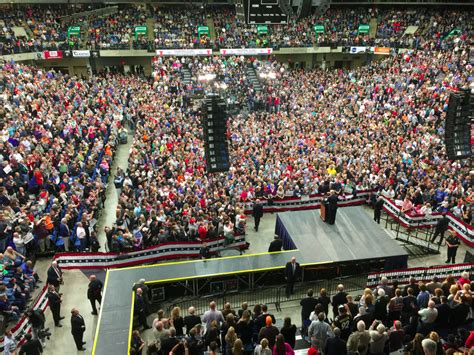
(355, 242)
(354, 237)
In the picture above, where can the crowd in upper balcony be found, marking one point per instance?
(44, 28)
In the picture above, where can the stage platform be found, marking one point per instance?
(354, 237)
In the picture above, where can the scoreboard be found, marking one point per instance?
(264, 12)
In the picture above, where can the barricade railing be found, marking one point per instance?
(420, 273)
(421, 222)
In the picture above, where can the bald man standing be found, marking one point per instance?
(292, 274)
(94, 292)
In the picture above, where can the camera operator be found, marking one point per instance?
(31, 347)
(37, 319)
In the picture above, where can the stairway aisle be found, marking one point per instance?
(107, 218)
(253, 79)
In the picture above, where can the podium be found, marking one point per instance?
(323, 209)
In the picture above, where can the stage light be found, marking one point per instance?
(262, 75)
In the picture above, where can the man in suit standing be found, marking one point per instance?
(78, 328)
(257, 213)
(94, 292)
(307, 306)
(55, 275)
(140, 308)
(292, 274)
(332, 207)
(54, 301)
(378, 209)
(441, 228)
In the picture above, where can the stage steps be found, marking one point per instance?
(416, 237)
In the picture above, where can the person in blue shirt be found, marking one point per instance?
(423, 297)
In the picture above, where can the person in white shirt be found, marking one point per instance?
(81, 235)
(9, 344)
(427, 317)
(19, 242)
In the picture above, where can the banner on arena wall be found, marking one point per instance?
(262, 30)
(53, 54)
(246, 51)
(356, 50)
(140, 30)
(319, 28)
(381, 50)
(364, 28)
(81, 54)
(73, 31)
(183, 52)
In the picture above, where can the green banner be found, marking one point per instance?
(203, 31)
(140, 30)
(364, 28)
(454, 32)
(262, 30)
(319, 28)
(73, 31)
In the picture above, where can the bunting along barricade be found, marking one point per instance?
(171, 250)
(309, 202)
(420, 274)
(464, 231)
(23, 327)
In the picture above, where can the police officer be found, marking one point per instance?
(453, 243)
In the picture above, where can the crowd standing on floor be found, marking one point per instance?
(417, 318)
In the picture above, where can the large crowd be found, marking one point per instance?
(417, 318)
(177, 28)
(376, 127)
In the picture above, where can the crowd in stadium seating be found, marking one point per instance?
(177, 28)
(116, 31)
(289, 149)
(54, 168)
(415, 318)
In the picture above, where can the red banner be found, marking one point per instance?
(53, 54)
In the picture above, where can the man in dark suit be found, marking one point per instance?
(378, 209)
(191, 319)
(335, 345)
(441, 228)
(275, 245)
(140, 308)
(332, 207)
(307, 306)
(78, 328)
(55, 275)
(31, 346)
(452, 243)
(340, 298)
(292, 274)
(94, 292)
(54, 301)
(257, 213)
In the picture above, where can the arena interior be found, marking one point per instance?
(238, 177)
